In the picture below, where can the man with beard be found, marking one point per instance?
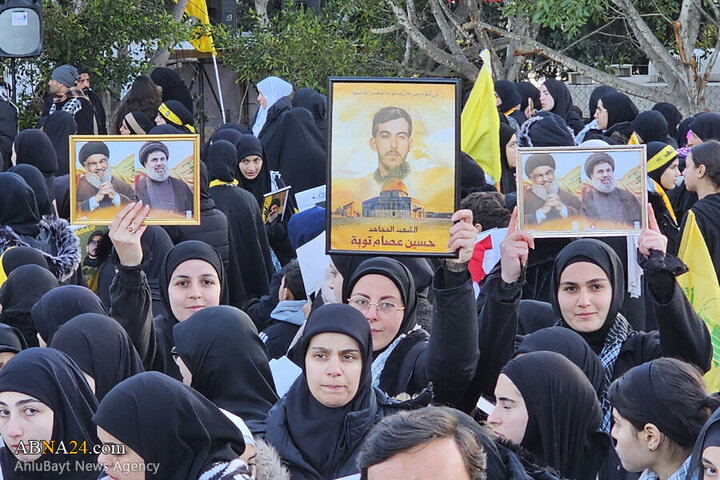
(392, 140)
(544, 200)
(158, 189)
(605, 201)
(98, 188)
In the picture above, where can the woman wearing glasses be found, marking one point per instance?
(406, 357)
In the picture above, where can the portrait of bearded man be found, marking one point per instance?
(544, 200)
(158, 188)
(98, 187)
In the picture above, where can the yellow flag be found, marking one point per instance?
(202, 38)
(701, 288)
(480, 123)
(634, 140)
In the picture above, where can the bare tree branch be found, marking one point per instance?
(160, 57)
(261, 10)
(384, 30)
(689, 26)
(445, 28)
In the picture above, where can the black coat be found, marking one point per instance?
(8, 130)
(294, 146)
(668, 226)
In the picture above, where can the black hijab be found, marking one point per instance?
(34, 147)
(561, 95)
(672, 116)
(61, 304)
(599, 253)
(570, 345)
(228, 361)
(35, 180)
(138, 123)
(18, 207)
(101, 348)
(399, 275)
(320, 432)
(507, 177)
(247, 145)
(173, 88)
(189, 250)
(706, 126)
(221, 161)
(683, 130)
(234, 126)
(528, 90)
(472, 176)
(564, 414)
(709, 437)
(314, 102)
(22, 289)
(165, 129)
(545, 129)
(11, 340)
(59, 126)
(508, 94)
(596, 95)
(16, 257)
(421, 271)
(53, 378)
(169, 424)
(620, 108)
(651, 126)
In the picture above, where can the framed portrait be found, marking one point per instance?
(393, 165)
(108, 172)
(576, 192)
(274, 204)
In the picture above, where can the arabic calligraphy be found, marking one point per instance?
(375, 242)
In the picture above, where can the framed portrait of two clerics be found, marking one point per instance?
(393, 171)
(575, 192)
(108, 172)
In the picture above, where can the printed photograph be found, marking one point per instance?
(274, 205)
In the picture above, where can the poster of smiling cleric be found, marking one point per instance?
(393, 171)
(109, 172)
(575, 192)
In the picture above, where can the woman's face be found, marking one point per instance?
(633, 452)
(160, 120)
(509, 418)
(194, 285)
(120, 467)
(262, 100)
(693, 139)
(601, 115)
(669, 177)
(13, 156)
(24, 418)
(249, 456)
(333, 365)
(711, 463)
(385, 321)
(584, 296)
(546, 100)
(124, 130)
(332, 286)
(511, 151)
(5, 356)
(250, 166)
(184, 370)
(690, 174)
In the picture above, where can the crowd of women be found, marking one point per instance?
(150, 357)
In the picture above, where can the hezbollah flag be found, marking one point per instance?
(480, 123)
(700, 285)
(202, 38)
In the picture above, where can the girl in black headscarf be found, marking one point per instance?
(316, 429)
(172, 87)
(545, 129)
(595, 96)
(23, 288)
(706, 126)
(588, 282)
(663, 173)
(136, 123)
(561, 412)
(174, 431)
(34, 178)
(174, 113)
(191, 277)
(15, 257)
(672, 116)
(659, 408)
(555, 97)
(59, 126)
(62, 406)
(528, 92)
(60, 305)
(20, 225)
(705, 459)
(651, 126)
(506, 93)
(570, 345)
(508, 160)
(34, 147)
(248, 239)
(614, 113)
(101, 348)
(228, 363)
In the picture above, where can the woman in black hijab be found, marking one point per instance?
(672, 116)
(706, 126)
(508, 145)
(228, 363)
(16, 257)
(506, 93)
(706, 453)
(60, 305)
(249, 245)
(51, 386)
(555, 97)
(595, 96)
(614, 114)
(545, 129)
(570, 345)
(528, 92)
(172, 87)
(59, 126)
(34, 147)
(174, 431)
(663, 173)
(318, 430)
(588, 282)
(561, 411)
(23, 288)
(650, 126)
(34, 178)
(101, 348)
(20, 225)
(174, 113)
(136, 123)
(316, 103)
